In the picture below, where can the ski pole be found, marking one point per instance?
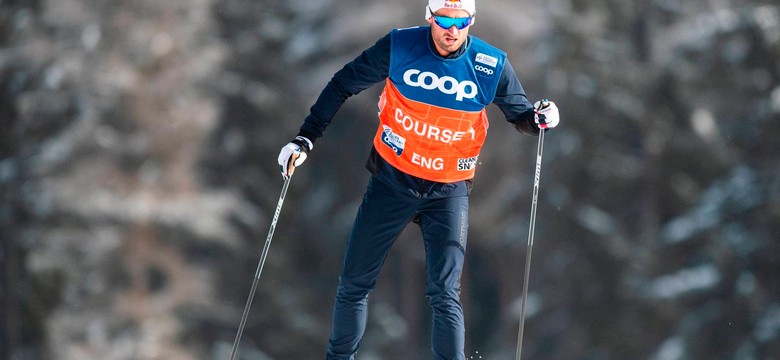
(531, 227)
(260, 265)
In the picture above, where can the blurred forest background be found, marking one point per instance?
(138, 144)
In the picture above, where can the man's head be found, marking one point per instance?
(450, 21)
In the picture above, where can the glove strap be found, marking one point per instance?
(305, 144)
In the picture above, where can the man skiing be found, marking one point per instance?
(432, 125)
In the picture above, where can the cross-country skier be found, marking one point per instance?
(432, 124)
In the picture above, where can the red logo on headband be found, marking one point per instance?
(452, 4)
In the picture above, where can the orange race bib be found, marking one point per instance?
(428, 141)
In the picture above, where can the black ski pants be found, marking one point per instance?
(382, 216)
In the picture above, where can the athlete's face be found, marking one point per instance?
(449, 40)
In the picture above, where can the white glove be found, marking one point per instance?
(293, 154)
(546, 114)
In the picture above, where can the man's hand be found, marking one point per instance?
(546, 114)
(294, 154)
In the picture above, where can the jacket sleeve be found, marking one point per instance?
(369, 68)
(511, 99)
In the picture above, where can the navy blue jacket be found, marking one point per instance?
(371, 67)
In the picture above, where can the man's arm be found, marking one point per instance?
(369, 68)
(511, 99)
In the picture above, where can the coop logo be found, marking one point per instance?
(483, 69)
(466, 164)
(446, 84)
(393, 140)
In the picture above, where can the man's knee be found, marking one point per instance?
(351, 292)
(445, 301)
